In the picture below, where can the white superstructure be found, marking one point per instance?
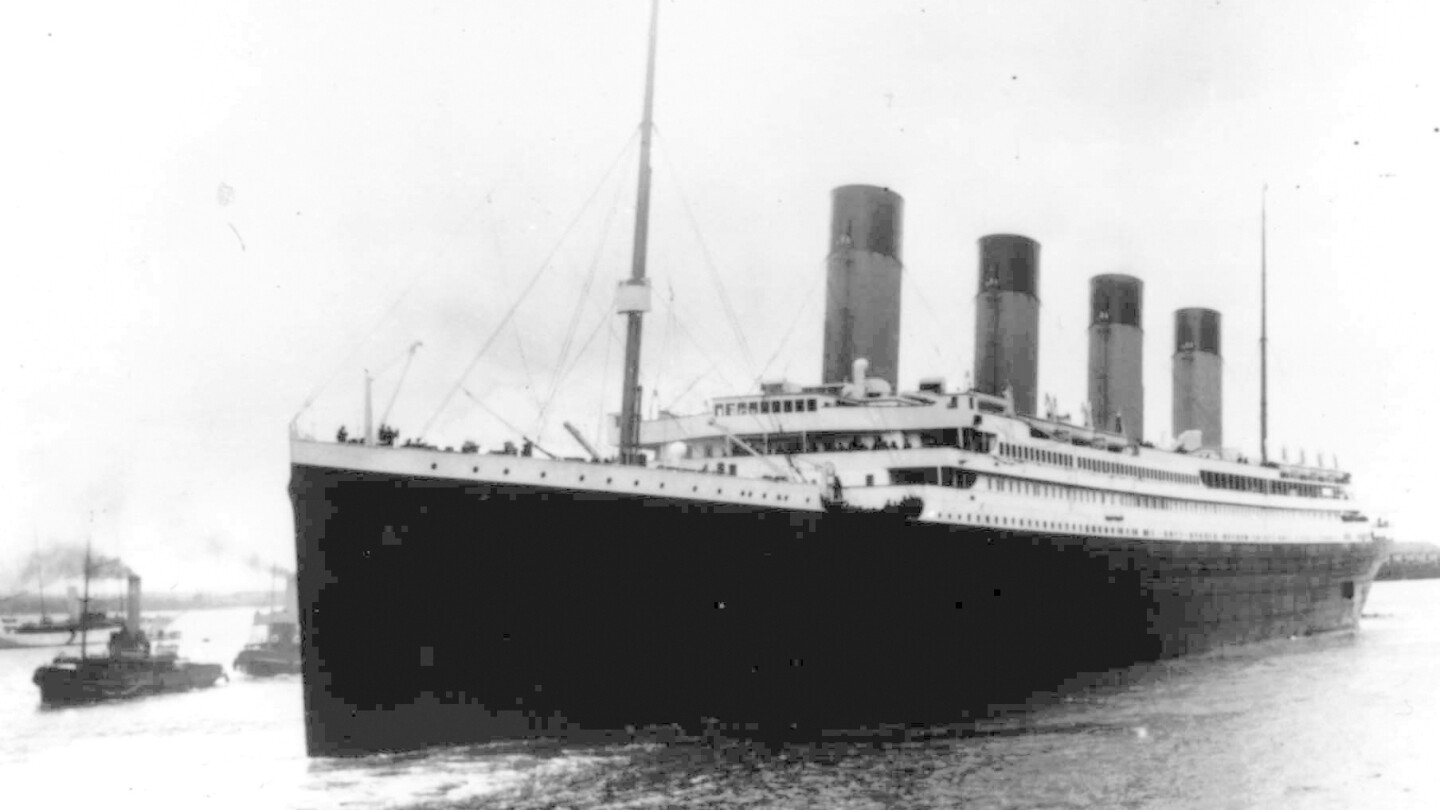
(973, 461)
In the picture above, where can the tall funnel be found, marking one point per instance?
(1196, 369)
(1007, 318)
(862, 290)
(132, 605)
(1117, 387)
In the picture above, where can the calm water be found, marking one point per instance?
(1350, 720)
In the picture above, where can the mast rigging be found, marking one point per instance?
(634, 294)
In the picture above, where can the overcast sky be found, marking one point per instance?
(212, 217)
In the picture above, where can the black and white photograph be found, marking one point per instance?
(595, 404)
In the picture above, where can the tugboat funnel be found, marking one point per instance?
(132, 605)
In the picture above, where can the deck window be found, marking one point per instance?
(941, 476)
(977, 441)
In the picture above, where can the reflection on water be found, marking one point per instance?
(1346, 720)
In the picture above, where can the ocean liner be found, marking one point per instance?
(813, 559)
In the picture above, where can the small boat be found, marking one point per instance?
(50, 633)
(279, 654)
(47, 632)
(274, 648)
(130, 669)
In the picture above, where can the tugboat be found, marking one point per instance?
(130, 670)
(274, 648)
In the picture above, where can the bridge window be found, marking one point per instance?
(915, 475)
(956, 477)
(977, 441)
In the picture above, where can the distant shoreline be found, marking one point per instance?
(55, 604)
(1411, 561)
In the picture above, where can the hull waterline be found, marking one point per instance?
(69, 682)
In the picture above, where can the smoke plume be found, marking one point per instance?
(257, 563)
(68, 561)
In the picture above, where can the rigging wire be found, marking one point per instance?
(715, 276)
(513, 429)
(569, 342)
(448, 244)
(575, 362)
(694, 382)
(525, 363)
(934, 318)
(608, 325)
(679, 324)
(604, 378)
(530, 286)
(519, 336)
(688, 335)
(799, 312)
(385, 417)
(664, 343)
(390, 363)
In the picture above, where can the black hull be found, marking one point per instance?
(440, 612)
(68, 627)
(267, 663)
(77, 682)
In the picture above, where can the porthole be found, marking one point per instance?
(432, 465)
(506, 471)
(542, 473)
(474, 469)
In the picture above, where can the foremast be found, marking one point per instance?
(633, 297)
